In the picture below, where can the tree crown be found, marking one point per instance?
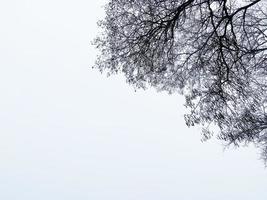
(211, 51)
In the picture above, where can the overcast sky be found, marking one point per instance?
(68, 132)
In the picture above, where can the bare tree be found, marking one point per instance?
(214, 52)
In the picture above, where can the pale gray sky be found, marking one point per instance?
(67, 132)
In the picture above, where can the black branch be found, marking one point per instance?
(214, 52)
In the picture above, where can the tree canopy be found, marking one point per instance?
(214, 52)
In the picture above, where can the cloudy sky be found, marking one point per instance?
(68, 132)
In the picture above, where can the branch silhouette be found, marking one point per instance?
(211, 51)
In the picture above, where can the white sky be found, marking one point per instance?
(67, 132)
